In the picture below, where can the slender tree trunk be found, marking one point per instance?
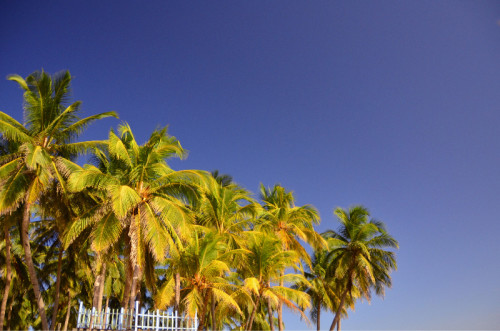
(177, 292)
(339, 309)
(252, 316)
(8, 275)
(280, 304)
(338, 324)
(107, 303)
(270, 311)
(9, 314)
(97, 286)
(318, 319)
(101, 292)
(133, 288)
(101, 287)
(29, 262)
(68, 312)
(58, 285)
(134, 259)
(204, 311)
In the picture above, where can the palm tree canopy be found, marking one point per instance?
(289, 222)
(45, 140)
(358, 251)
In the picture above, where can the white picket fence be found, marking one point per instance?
(132, 319)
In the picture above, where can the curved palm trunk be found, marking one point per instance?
(8, 275)
(252, 316)
(318, 318)
(58, 285)
(68, 312)
(336, 320)
(338, 325)
(29, 263)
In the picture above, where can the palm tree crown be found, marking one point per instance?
(359, 255)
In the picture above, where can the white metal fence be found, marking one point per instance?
(132, 319)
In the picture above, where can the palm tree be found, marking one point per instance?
(203, 269)
(45, 144)
(289, 223)
(359, 256)
(138, 194)
(263, 264)
(323, 288)
(227, 209)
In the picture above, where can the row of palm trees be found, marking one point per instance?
(128, 227)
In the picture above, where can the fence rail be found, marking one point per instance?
(132, 319)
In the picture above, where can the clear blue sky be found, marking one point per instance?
(390, 104)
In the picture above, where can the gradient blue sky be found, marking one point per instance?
(390, 104)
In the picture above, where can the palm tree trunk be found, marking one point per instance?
(252, 316)
(204, 311)
(9, 314)
(25, 239)
(133, 287)
(97, 286)
(338, 325)
(101, 288)
(280, 304)
(318, 317)
(8, 275)
(58, 285)
(68, 312)
(101, 292)
(177, 292)
(339, 309)
(270, 311)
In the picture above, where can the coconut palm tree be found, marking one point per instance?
(263, 264)
(203, 268)
(140, 195)
(228, 210)
(359, 254)
(289, 223)
(323, 288)
(45, 142)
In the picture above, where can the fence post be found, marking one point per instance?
(195, 321)
(175, 321)
(92, 318)
(120, 319)
(107, 313)
(79, 315)
(136, 313)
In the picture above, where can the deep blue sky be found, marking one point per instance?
(390, 104)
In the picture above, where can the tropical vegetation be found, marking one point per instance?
(125, 226)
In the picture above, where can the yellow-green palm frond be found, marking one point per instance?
(106, 233)
(227, 300)
(165, 295)
(123, 199)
